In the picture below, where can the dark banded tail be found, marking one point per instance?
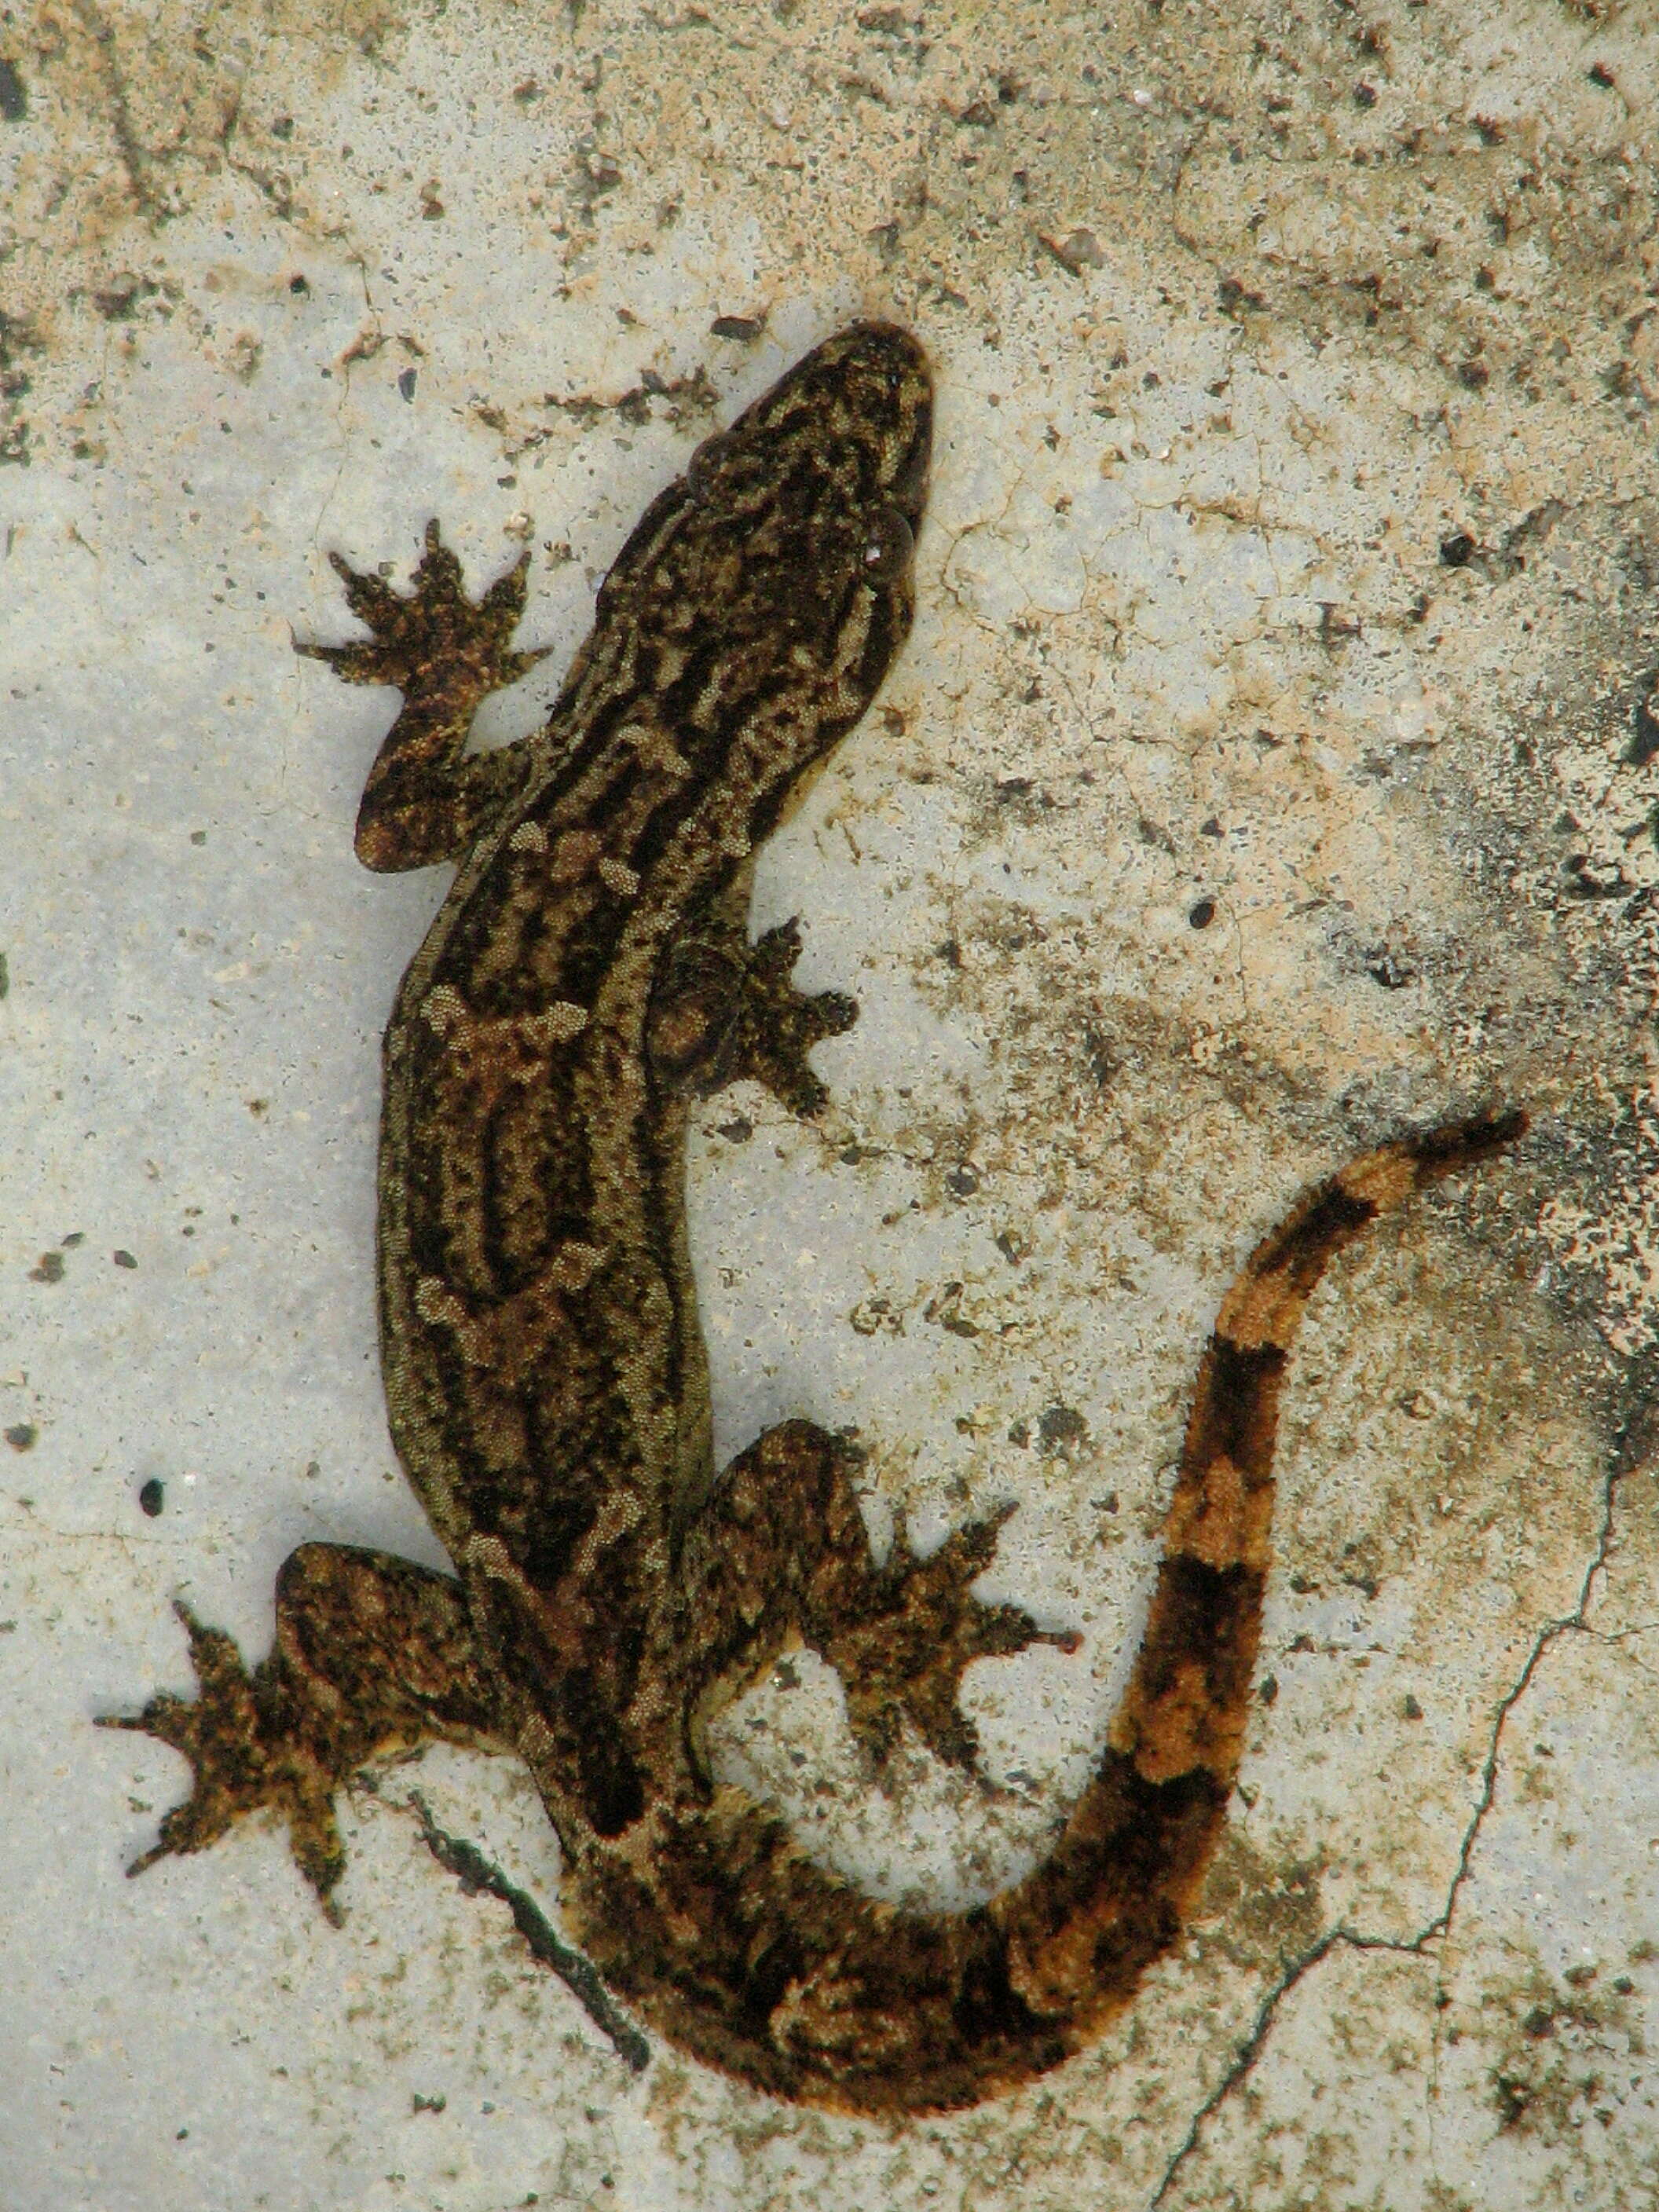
(1216, 1536)
(738, 1947)
(1081, 1932)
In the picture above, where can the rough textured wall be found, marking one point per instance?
(1274, 766)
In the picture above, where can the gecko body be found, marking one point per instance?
(588, 975)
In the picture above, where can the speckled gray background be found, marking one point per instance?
(1271, 766)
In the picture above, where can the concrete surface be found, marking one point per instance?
(1272, 767)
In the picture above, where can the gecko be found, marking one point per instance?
(588, 978)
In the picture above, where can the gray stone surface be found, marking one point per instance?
(1292, 555)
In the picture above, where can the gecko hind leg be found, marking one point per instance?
(371, 1654)
(446, 652)
(724, 1008)
(782, 1548)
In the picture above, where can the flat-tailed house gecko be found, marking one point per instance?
(588, 975)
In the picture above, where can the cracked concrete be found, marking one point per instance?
(1275, 763)
(1185, 2179)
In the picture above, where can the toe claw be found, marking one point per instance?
(834, 1012)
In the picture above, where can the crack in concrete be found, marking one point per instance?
(1624, 1463)
(134, 157)
(141, 163)
(577, 1972)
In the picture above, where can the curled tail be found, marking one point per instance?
(739, 1947)
(699, 1905)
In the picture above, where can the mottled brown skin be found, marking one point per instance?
(546, 1376)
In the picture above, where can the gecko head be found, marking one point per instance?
(779, 567)
(846, 429)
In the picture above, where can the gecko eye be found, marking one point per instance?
(700, 469)
(888, 548)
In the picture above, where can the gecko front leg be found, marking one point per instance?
(372, 1655)
(724, 1008)
(423, 801)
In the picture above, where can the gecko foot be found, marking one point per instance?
(725, 1009)
(238, 1736)
(902, 1656)
(434, 639)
